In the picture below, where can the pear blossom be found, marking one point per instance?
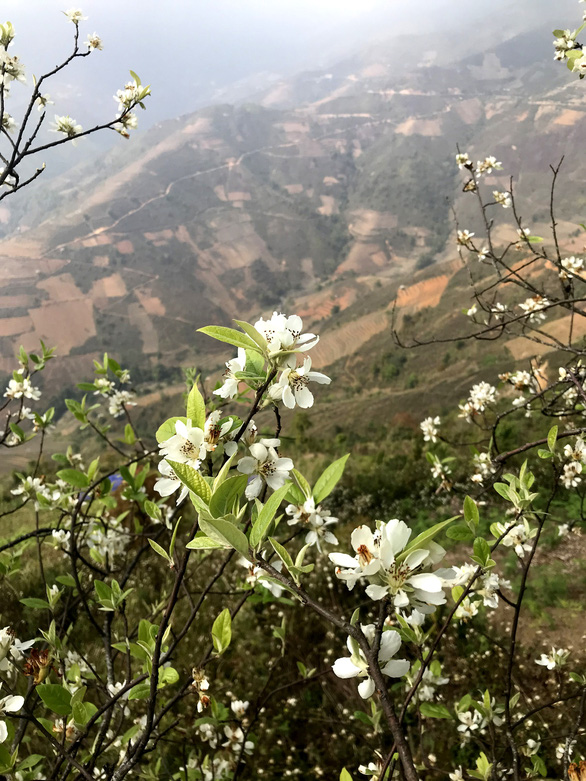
(186, 446)
(213, 432)
(43, 101)
(518, 537)
(266, 465)
(208, 734)
(487, 165)
(284, 334)
(463, 160)
(430, 426)
(239, 708)
(457, 774)
(533, 308)
(236, 742)
(11, 646)
(503, 199)
(18, 388)
(11, 68)
(104, 386)
(464, 237)
(257, 575)
(465, 611)
(168, 483)
(570, 476)
(230, 387)
(8, 122)
(67, 126)
(571, 266)
(556, 658)
(356, 665)
(314, 519)
(119, 400)
(472, 311)
(94, 41)
(291, 387)
(481, 395)
(470, 721)
(9, 704)
(483, 254)
(75, 15)
(382, 561)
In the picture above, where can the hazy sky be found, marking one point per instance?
(187, 49)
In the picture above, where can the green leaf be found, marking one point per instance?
(225, 496)
(36, 604)
(559, 33)
(222, 631)
(345, 775)
(160, 550)
(482, 549)
(167, 429)
(504, 490)
(282, 553)
(302, 483)
(192, 479)
(196, 407)
(256, 337)
(426, 536)
(201, 542)
(55, 697)
(471, 515)
(434, 711)
(326, 483)
(460, 532)
(552, 438)
(230, 336)
(74, 477)
(140, 692)
(226, 533)
(266, 515)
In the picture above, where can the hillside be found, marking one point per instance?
(323, 197)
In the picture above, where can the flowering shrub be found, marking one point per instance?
(174, 583)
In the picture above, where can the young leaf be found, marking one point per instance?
(327, 482)
(196, 407)
(55, 697)
(256, 337)
(192, 479)
(225, 495)
(74, 477)
(222, 631)
(552, 438)
(471, 515)
(226, 533)
(266, 515)
(167, 429)
(230, 336)
(201, 542)
(434, 711)
(345, 775)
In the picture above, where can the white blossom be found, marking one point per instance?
(356, 665)
(555, 659)
(230, 387)
(186, 446)
(502, 198)
(94, 41)
(265, 465)
(464, 237)
(67, 126)
(119, 400)
(75, 15)
(168, 483)
(533, 307)
(571, 266)
(291, 387)
(315, 520)
(18, 388)
(9, 704)
(430, 426)
(285, 334)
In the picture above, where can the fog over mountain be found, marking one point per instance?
(194, 54)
